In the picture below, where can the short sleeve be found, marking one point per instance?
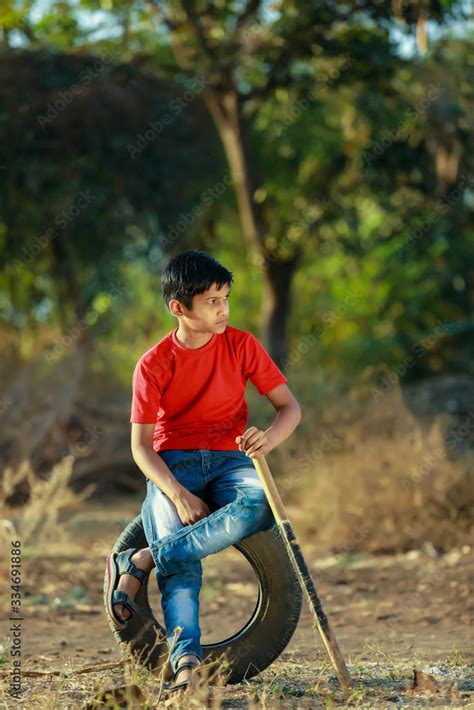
(146, 395)
(259, 367)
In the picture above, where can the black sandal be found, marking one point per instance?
(184, 683)
(119, 563)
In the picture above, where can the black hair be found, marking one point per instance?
(190, 273)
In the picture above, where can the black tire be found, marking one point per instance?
(262, 638)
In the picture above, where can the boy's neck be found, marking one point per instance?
(191, 339)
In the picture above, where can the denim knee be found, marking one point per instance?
(260, 514)
(188, 576)
(254, 496)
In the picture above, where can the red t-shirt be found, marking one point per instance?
(195, 397)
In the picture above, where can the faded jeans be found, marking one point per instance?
(228, 482)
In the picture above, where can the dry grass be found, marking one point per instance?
(371, 476)
(381, 683)
(38, 519)
(364, 487)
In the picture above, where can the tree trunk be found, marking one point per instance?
(277, 274)
(226, 113)
(67, 281)
(276, 308)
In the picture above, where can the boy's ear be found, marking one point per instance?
(172, 305)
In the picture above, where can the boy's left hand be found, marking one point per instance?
(254, 442)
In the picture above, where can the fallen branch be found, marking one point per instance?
(87, 669)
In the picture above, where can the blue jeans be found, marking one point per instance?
(228, 482)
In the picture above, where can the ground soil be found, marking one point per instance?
(390, 614)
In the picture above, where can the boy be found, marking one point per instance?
(188, 437)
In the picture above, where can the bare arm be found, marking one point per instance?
(256, 442)
(288, 414)
(190, 508)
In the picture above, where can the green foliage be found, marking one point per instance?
(93, 178)
(364, 159)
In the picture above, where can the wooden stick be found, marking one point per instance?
(87, 669)
(302, 571)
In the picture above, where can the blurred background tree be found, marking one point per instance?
(323, 151)
(351, 166)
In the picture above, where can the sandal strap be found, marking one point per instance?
(182, 683)
(125, 566)
(119, 597)
(135, 608)
(176, 686)
(136, 572)
(187, 664)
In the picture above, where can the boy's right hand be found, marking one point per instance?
(190, 508)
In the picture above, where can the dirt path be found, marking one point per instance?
(390, 614)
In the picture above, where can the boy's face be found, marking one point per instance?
(210, 311)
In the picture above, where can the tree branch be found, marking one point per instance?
(251, 9)
(195, 22)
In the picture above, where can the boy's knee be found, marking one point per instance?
(253, 494)
(255, 500)
(185, 575)
(255, 497)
